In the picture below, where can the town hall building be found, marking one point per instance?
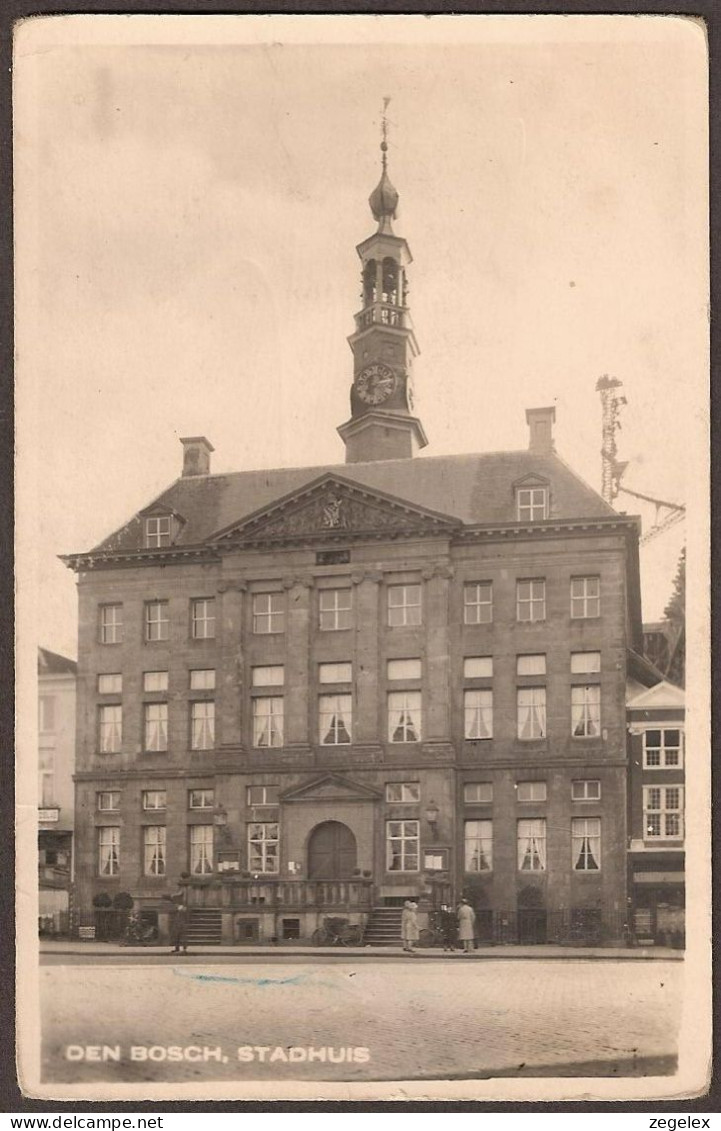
(323, 691)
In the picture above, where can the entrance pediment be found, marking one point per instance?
(330, 508)
(331, 787)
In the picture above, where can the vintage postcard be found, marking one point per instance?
(362, 382)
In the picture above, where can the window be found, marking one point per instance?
(111, 624)
(586, 711)
(268, 677)
(156, 726)
(111, 728)
(531, 791)
(531, 665)
(585, 597)
(155, 681)
(478, 846)
(402, 846)
(46, 777)
(478, 603)
(403, 669)
(404, 716)
(532, 503)
(201, 849)
(202, 621)
(532, 846)
(201, 798)
(154, 850)
(335, 673)
(202, 679)
(202, 725)
(268, 721)
(47, 713)
(108, 800)
(478, 667)
(403, 792)
(156, 620)
(263, 848)
(404, 605)
(109, 851)
(157, 531)
(663, 812)
(586, 844)
(154, 799)
(531, 600)
(585, 663)
(585, 790)
(478, 713)
(335, 609)
(335, 719)
(268, 610)
(531, 712)
(478, 791)
(110, 684)
(262, 795)
(662, 749)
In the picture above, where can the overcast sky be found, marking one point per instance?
(190, 194)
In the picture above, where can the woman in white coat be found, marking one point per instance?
(409, 926)
(466, 925)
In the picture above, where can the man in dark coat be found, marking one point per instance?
(179, 927)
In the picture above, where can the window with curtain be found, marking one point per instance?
(404, 716)
(201, 849)
(109, 851)
(586, 711)
(156, 726)
(335, 719)
(154, 850)
(531, 703)
(111, 728)
(532, 845)
(402, 841)
(586, 844)
(263, 841)
(478, 846)
(202, 725)
(478, 713)
(268, 721)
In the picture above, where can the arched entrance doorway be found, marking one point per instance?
(332, 852)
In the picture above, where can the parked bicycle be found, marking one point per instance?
(338, 932)
(139, 933)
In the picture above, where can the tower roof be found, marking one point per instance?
(384, 200)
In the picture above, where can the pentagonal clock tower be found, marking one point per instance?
(382, 424)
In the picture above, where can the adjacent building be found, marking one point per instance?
(656, 717)
(325, 690)
(56, 763)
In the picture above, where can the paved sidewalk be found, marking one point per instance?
(496, 953)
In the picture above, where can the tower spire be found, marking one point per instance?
(384, 198)
(382, 424)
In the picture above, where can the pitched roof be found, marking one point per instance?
(51, 663)
(474, 489)
(664, 696)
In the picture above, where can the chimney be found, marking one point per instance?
(196, 455)
(540, 423)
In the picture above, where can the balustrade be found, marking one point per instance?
(238, 891)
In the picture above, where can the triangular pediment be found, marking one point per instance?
(161, 510)
(333, 508)
(530, 480)
(664, 696)
(331, 787)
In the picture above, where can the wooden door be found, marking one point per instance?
(332, 852)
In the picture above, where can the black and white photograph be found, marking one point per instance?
(362, 457)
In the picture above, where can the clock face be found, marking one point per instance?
(375, 383)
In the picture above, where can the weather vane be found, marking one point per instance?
(384, 130)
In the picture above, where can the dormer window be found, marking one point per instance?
(532, 504)
(157, 531)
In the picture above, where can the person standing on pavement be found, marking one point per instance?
(448, 927)
(466, 925)
(409, 926)
(179, 927)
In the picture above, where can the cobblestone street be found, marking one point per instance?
(418, 1019)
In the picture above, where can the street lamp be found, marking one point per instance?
(432, 812)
